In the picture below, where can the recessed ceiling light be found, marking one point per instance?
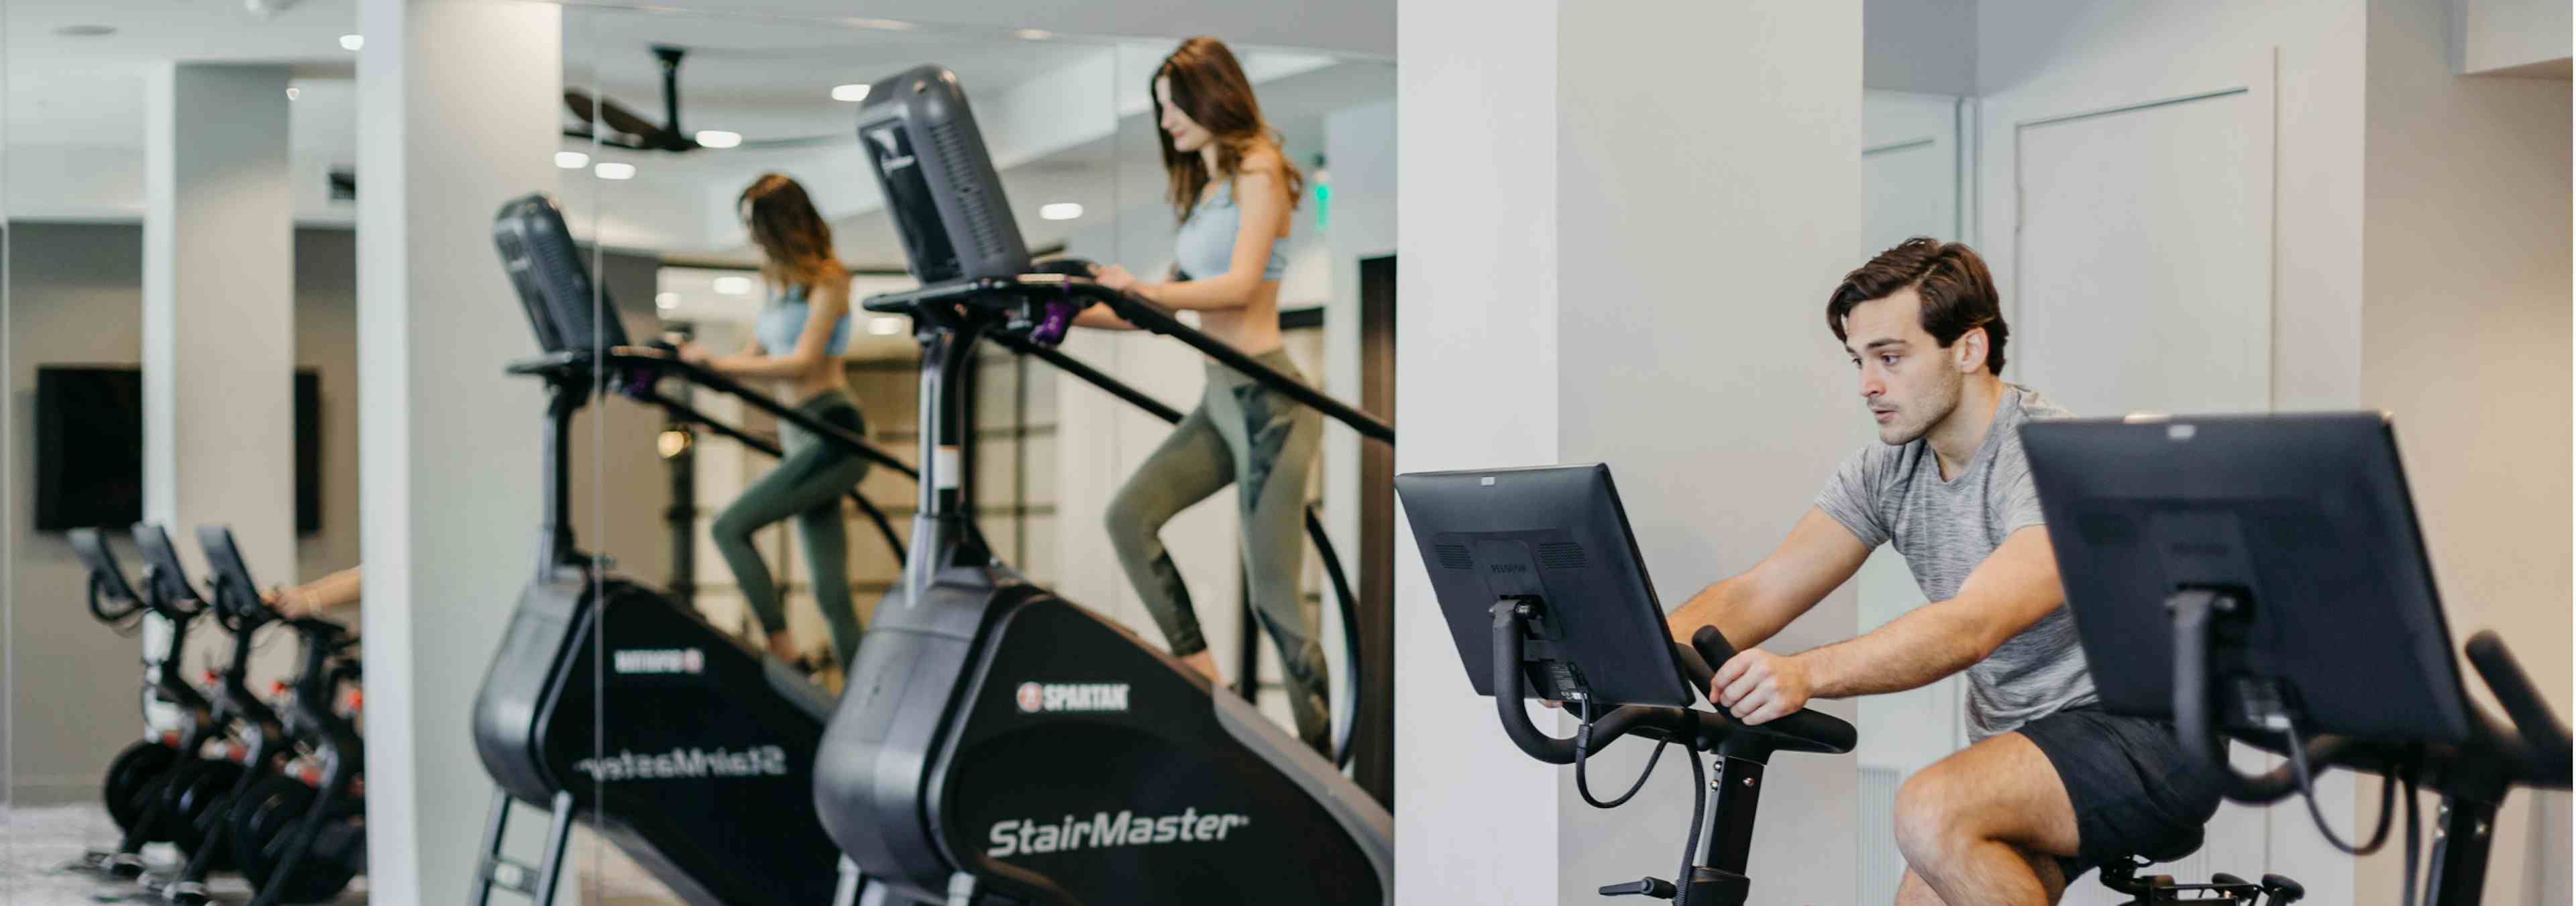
(733, 286)
(881, 24)
(1033, 34)
(352, 42)
(571, 160)
(666, 300)
(885, 326)
(85, 31)
(614, 170)
(851, 93)
(291, 92)
(718, 138)
(1062, 210)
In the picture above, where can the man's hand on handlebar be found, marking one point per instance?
(695, 354)
(1758, 687)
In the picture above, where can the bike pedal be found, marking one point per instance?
(1651, 887)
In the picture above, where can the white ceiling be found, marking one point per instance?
(1348, 27)
(734, 60)
(89, 91)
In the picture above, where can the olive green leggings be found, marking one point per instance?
(1263, 443)
(807, 484)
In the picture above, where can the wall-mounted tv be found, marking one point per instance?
(89, 448)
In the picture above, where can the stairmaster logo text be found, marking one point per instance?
(688, 661)
(1032, 836)
(1036, 697)
(687, 764)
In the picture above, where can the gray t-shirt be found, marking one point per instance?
(1945, 529)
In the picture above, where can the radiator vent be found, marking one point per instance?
(1882, 867)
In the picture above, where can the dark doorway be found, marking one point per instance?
(1373, 761)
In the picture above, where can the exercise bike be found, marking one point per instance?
(299, 838)
(1547, 596)
(2263, 579)
(199, 793)
(138, 778)
(2156, 890)
(997, 743)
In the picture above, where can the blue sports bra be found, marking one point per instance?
(783, 321)
(1205, 246)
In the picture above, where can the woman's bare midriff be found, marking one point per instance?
(830, 375)
(1253, 328)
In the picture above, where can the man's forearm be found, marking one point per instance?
(1722, 605)
(1912, 651)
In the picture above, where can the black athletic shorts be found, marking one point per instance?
(2135, 791)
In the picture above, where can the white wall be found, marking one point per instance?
(1476, 384)
(450, 449)
(1920, 46)
(1725, 395)
(1558, 306)
(2465, 316)
(88, 176)
(2510, 37)
(219, 322)
(67, 669)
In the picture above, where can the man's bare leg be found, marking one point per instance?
(1914, 892)
(1980, 826)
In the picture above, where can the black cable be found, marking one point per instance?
(122, 621)
(1583, 742)
(2308, 791)
(1699, 812)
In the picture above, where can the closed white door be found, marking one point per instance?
(2137, 263)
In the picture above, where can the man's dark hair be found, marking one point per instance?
(1958, 295)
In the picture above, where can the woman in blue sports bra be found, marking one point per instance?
(1233, 193)
(797, 346)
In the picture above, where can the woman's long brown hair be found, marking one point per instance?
(1209, 86)
(792, 236)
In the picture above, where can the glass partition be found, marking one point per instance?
(694, 503)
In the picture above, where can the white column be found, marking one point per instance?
(219, 310)
(1617, 228)
(458, 105)
(1476, 385)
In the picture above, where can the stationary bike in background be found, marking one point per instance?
(139, 778)
(298, 837)
(199, 791)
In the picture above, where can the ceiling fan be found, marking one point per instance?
(625, 129)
